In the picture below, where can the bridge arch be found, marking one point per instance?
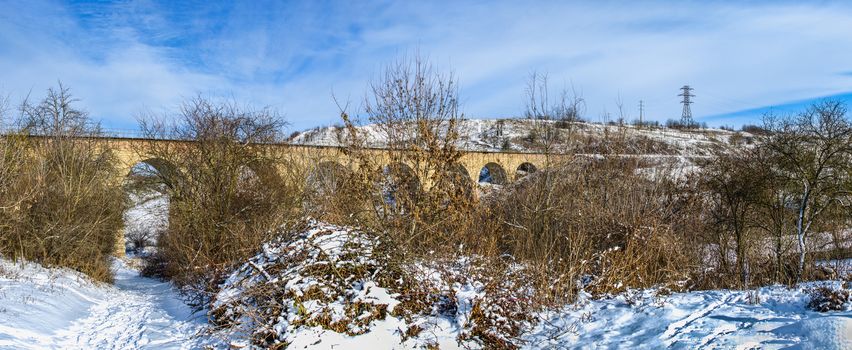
(268, 175)
(153, 170)
(525, 169)
(326, 190)
(455, 178)
(327, 175)
(398, 185)
(493, 173)
(148, 185)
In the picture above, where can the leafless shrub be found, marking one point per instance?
(825, 299)
(734, 184)
(811, 152)
(550, 115)
(415, 190)
(62, 203)
(226, 193)
(140, 238)
(596, 218)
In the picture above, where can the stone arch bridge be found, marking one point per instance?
(474, 166)
(502, 167)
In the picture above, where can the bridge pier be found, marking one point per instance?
(120, 250)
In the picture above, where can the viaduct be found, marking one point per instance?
(502, 167)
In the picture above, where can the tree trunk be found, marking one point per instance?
(800, 232)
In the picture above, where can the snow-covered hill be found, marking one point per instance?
(494, 135)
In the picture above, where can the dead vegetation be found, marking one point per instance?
(825, 299)
(597, 224)
(298, 282)
(419, 196)
(344, 280)
(225, 192)
(61, 202)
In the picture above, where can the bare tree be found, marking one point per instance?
(414, 105)
(4, 109)
(56, 116)
(549, 116)
(69, 206)
(225, 192)
(774, 217)
(619, 104)
(735, 182)
(813, 150)
(416, 110)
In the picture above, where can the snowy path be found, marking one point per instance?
(61, 311)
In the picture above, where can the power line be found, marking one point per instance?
(641, 111)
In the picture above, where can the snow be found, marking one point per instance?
(58, 308)
(147, 215)
(351, 296)
(770, 318)
(501, 135)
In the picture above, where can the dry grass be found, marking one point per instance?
(598, 220)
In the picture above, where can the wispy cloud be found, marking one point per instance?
(121, 58)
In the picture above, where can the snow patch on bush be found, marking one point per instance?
(338, 287)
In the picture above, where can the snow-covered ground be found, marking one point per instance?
(774, 317)
(146, 218)
(52, 308)
(59, 309)
(769, 318)
(43, 308)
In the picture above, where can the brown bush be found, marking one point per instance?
(598, 220)
(824, 299)
(418, 195)
(609, 218)
(62, 202)
(226, 193)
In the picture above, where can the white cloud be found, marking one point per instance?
(737, 55)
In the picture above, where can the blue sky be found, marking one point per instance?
(123, 58)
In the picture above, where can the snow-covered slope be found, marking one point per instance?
(147, 216)
(43, 308)
(494, 135)
(770, 318)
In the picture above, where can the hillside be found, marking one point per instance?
(494, 135)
